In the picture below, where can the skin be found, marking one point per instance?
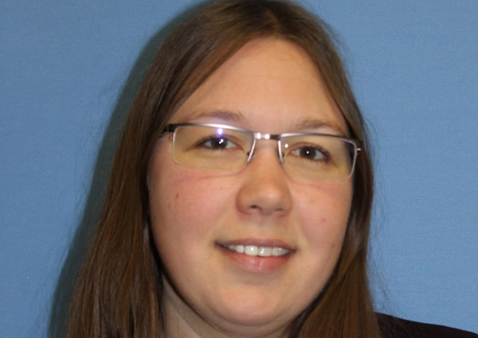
(270, 86)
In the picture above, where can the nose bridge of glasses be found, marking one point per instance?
(265, 137)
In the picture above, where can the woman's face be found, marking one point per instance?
(270, 86)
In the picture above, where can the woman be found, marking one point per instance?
(240, 197)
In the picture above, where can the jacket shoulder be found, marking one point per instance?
(392, 327)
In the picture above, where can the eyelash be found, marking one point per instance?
(202, 143)
(225, 143)
(325, 154)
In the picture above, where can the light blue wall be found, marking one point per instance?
(414, 67)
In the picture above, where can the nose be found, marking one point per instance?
(264, 185)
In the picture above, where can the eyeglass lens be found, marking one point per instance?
(223, 149)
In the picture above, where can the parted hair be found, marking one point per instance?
(118, 292)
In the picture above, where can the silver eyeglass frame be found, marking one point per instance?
(171, 128)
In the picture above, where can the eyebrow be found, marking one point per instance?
(236, 116)
(226, 115)
(305, 124)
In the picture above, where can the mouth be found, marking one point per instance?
(258, 251)
(257, 256)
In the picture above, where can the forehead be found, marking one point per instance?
(269, 85)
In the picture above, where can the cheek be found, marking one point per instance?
(184, 203)
(324, 210)
(176, 219)
(186, 197)
(187, 209)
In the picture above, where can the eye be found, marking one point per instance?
(312, 154)
(217, 143)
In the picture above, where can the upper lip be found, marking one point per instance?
(271, 243)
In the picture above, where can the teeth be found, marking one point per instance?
(279, 252)
(261, 251)
(251, 250)
(265, 252)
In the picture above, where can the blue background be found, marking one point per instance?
(68, 70)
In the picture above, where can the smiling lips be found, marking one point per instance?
(259, 256)
(262, 258)
(261, 251)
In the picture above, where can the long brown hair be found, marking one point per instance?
(118, 292)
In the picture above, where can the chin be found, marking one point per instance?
(255, 317)
(251, 325)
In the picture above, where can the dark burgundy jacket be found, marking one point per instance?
(392, 327)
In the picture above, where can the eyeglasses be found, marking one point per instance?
(229, 149)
